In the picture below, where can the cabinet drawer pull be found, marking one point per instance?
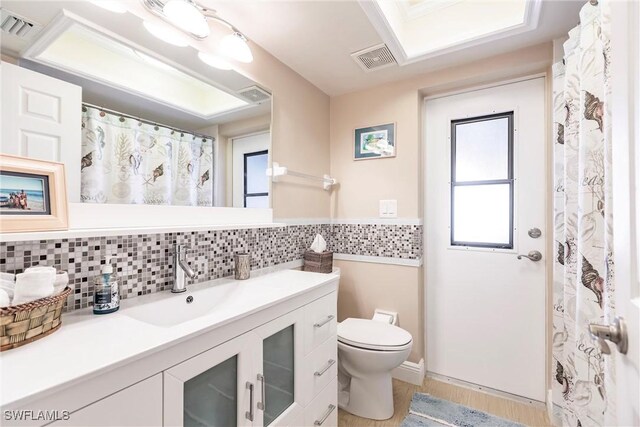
(262, 404)
(249, 413)
(325, 416)
(329, 364)
(324, 322)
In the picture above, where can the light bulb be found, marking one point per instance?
(235, 46)
(186, 16)
(110, 5)
(166, 33)
(214, 61)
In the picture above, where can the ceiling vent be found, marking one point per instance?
(17, 26)
(254, 94)
(374, 58)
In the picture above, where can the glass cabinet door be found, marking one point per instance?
(215, 388)
(279, 388)
(278, 370)
(211, 398)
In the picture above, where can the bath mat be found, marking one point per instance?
(429, 411)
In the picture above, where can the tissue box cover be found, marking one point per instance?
(318, 262)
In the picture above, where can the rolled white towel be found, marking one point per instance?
(8, 276)
(34, 284)
(61, 282)
(5, 301)
(8, 286)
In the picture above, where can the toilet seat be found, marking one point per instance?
(373, 335)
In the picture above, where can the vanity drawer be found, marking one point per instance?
(320, 367)
(320, 321)
(323, 410)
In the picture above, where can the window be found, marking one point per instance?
(482, 181)
(256, 183)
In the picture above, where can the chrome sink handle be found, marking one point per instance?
(534, 256)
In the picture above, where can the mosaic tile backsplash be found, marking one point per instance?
(144, 262)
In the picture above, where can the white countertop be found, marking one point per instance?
(87, 344)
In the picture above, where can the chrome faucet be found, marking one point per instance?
(180, 269)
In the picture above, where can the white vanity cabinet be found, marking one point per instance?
(139, 405)
(250, 380)
(261, 378)
(271, 360)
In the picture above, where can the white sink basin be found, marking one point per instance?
(168, 309)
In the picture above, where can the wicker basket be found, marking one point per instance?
(318, 263)
(25, 323)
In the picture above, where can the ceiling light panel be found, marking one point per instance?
(90, 54)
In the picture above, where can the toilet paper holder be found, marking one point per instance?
(390, 317)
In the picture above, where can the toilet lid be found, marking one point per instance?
(372, 334)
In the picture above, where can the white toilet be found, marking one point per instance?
(368, 350)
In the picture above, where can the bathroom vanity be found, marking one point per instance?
(249, 353)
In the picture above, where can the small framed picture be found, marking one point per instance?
(33, 195)
(375, 142)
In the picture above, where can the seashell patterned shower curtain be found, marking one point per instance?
(131, 162)
(583, 275)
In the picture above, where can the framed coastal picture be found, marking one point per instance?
(375, 142)
(33, 195)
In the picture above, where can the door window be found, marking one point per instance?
(482, 181)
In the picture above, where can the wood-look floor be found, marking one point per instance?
(403, 392)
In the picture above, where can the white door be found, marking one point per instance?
(625, 110)
(280, 353)
(250, 162)
(41, 119)
(485, 189)
(215, 388)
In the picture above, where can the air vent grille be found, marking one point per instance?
(17, 26)
(374, 58)
(254, 94)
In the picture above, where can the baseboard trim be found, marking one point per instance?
(410, 372)
(552, 418)
(487, 390)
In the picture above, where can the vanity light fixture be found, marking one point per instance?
(192, 19)
(214, 61)
(185, 15)
(235, 46)
(166, 33)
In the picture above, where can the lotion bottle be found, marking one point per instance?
(106, 292)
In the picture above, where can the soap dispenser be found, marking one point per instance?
(106, 292)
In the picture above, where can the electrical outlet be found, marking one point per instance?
(388, 209)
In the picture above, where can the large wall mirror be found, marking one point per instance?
(160, 124)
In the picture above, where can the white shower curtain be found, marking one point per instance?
(584, 279)
(131, 162)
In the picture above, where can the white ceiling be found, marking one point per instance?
(316, 38)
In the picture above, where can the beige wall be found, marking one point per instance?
(299, 135)
(363, 183)
(366, 286)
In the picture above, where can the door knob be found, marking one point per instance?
(534, 256)
(615, 332)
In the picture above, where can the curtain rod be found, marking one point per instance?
(149, 122)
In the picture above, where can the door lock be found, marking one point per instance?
(534, 232)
